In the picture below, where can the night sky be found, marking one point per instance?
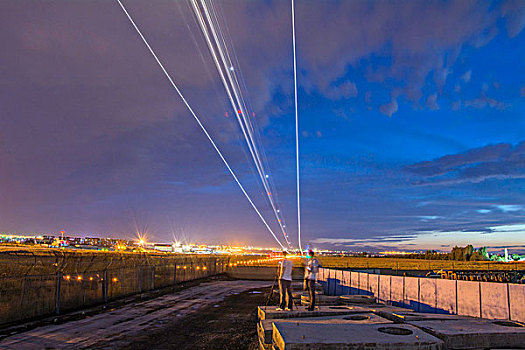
(412, 119)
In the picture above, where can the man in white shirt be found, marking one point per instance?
(285, 283)
(310, 275)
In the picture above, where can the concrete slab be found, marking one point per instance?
(270, 312)
(354, 282)
(412, 292)
(476, 333)
(373, 284)
(384, 288)
(446, 296)
(321, 299)
(265, 327)
(517, 302)
(401, 316)
(296, 336)
(468, 298)
(357, 299)
(427, 295)
(494, 302)
(397, 290)
(363, 283)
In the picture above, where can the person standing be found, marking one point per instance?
(311, 270)
(285, 283)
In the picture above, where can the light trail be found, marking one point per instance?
(296, 130)
(198, 122)
(218, 48)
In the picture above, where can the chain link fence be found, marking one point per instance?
(75, 285)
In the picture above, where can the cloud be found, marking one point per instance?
(507, 208)
(432, 102)
(484, 101)
(493, 161)
(342, 91)
(483, 211)
(389, 108)
(466, 76)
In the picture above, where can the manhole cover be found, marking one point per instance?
(395, 330)
(508, 324)
(356, 317)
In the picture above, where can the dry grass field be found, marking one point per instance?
(417, 264)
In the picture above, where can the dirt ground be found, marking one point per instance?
(230, 325)
(212, 314)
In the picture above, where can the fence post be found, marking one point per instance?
(59, 282)
(152, 277)
(140, 279)
(105, 286)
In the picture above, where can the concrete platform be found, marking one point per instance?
(401, 316)
(476, 333)
(265, 327)
(358, 299)
(298, 336)
(269, 312)
(321, 299)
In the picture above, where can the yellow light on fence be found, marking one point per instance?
(79, 278)
(184, 267)
(115, 279)
(68, 277)
(91, 278)
(198, 268)
(204, 267)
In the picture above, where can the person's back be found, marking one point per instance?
(285, 272)
(311, 270)
(285, 282)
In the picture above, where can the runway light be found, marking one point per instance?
(115, 279)
(204, 267)
(91, 278)
(79, 278)
(68, 277)
(198, 268)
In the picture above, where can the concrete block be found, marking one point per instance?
(384, 288)
(346, 283)
(427, 295)
(402, 316)
(322, 274)
(476, 333)
(386, 311)
(412, 293)
(363, 283)
(265, 327)
(446, 296)
(517, 302)
(373, 284)
(270, 312)
(321, 299)
(296, 336)
(397, 289)
(468, 298)
(357, 299)
(354, 283)
(494, 301)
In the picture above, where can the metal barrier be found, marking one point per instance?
(30, 296)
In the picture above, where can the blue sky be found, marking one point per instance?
(411, 117)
